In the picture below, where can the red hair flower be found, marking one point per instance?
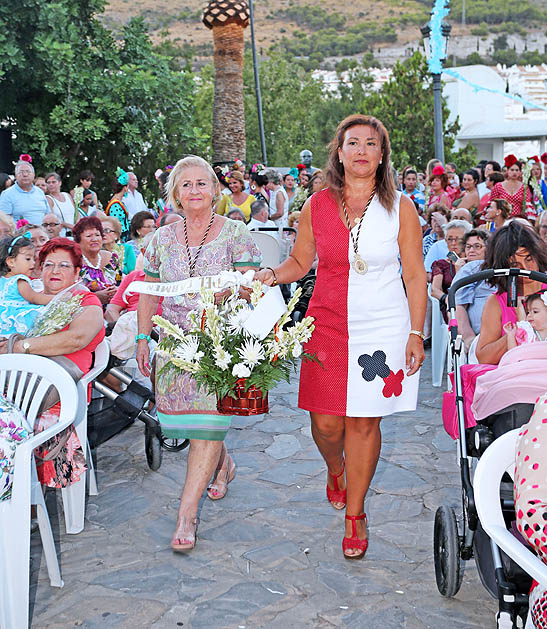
(301, 167)
(534, 158)
(543, 158)
(25, 157)
(393, 384)
(21, 223)
(438, 170)
(510, 160)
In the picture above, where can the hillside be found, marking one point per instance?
(380, 30)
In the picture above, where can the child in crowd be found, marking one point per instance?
(19, 303)
(85, 207)
(532, 324)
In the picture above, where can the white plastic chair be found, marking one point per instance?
(439, 341)
(74, 495)
(498, 459)
(38, 373)
(269, 248)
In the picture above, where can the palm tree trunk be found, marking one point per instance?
(228, 109)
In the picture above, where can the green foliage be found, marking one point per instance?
(75, 98)
(312, 17)
(499, 11)
(328, 42)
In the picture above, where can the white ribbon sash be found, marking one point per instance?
(216, 283)
(261, 321)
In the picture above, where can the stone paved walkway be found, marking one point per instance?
(269, 554)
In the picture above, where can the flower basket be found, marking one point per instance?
(230, 358)
(250, 402)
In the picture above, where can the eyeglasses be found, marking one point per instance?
(62, 266)
(454, 239)
(46, 225)
(477, 247)
(108, 231)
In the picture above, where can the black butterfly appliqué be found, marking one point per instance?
(374, 365)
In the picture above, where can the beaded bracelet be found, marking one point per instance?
(146, 337)
(274, 275)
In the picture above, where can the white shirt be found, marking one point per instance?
(283, 220)
(482, 189)
(134, 203)
(254, 224)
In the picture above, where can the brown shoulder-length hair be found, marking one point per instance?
(385, 185)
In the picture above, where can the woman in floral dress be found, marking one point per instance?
(202, 244)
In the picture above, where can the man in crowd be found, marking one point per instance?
(133, 200)
(24, 199)
(52, 224)
(259, 216)
(489, 168)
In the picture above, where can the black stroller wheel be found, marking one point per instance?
(446, 551)
(174, 445)
(152, 447)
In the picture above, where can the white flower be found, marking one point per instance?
(252, 353)
(241, 371)
(297, 350)
(237, 319)
(222, 358)
(188, 349)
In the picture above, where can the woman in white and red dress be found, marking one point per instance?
(513, 190)
(368, 333)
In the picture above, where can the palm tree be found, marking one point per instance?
(227, 19)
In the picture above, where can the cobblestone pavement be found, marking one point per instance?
(269, 554)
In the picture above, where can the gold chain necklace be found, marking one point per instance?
(359, 265)
(193, 261)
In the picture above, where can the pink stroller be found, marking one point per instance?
(458, 538)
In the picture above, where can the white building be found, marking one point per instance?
(494, 124)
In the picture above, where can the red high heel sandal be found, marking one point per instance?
(337, 494)
(354, 542)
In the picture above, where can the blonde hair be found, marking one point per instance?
(8, 221)
(191, 161)
(114, 223)
(293, 218)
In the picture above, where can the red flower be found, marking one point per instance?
(301, 167)
(534, 158)
(393, 384)
(25, 157)
(510, 160)
(543, 158)
(438, 170)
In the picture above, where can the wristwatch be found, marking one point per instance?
(418, 333)
(26, 347)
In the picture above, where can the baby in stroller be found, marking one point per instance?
(531, 323)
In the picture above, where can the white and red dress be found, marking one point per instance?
(362, 322)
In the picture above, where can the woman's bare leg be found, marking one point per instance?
(203, 457)
(362, 443)
(328, 434)
(223, 475)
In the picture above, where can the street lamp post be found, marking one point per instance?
(257, 88)
(437, 93)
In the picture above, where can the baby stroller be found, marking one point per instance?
(111, 411)
(458, 539)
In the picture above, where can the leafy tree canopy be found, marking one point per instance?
(77, 98)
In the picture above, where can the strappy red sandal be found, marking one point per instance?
(354, 542)
(337, 494)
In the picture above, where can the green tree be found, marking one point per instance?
(405, 106)
(77, 98)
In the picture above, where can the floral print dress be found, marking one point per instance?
(185, 410)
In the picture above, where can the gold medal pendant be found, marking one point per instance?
(359, 265)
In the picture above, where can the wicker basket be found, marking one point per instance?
(250, 402)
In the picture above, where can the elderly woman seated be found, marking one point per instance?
(470, 299)
(72, 345)
(514, 245)
(444, 270)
